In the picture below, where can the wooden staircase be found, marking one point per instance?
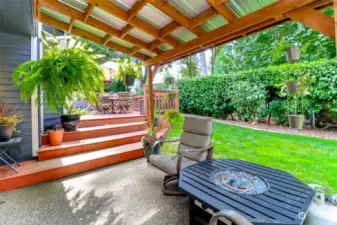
(98, 142)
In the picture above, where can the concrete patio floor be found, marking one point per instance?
(122, 194)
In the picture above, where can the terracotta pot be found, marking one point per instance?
(6, 133)
(296, 121)
(55, 137)
(293, 54)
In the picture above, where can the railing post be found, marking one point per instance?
(145, 102)
(176, 101)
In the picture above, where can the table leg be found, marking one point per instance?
(8, 164)
(4, 153)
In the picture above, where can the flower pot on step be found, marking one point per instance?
(6, 132)
(70, 122)
(296, 121)
(293, 54)
(292, 86)
(55, 137)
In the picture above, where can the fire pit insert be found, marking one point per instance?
(239, 181)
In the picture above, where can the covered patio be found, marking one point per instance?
(156, 32)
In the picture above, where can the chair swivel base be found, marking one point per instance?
(173, 190)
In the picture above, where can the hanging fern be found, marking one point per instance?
(61, 74)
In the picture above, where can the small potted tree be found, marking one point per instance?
(61, 74)
(169, 80)
(71, 120)
(9, 118)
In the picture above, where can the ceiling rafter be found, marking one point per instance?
(81, 33)
(77, 15)
(223, 9)
(135, 9)
(121, 14)
(71, 25)
(126, 30)
(106, 39)
(203, 17)
(269, 12)
(134, 50)
(88, 12)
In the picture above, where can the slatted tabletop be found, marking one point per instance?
(285, 202)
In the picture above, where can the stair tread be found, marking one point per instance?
(108, 126)
(110, 117)
(38, 166)
(91, 141)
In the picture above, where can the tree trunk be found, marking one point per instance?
(213, 58)
(203, 63)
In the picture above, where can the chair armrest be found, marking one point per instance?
(164, 141)
(230, 215)
(182, 154)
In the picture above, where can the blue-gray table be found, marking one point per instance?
(285, 202)
(4, 147)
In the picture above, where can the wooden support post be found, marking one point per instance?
(335, 9)
(145, 108)
(176, 100)
(150, 75)
(150, 97)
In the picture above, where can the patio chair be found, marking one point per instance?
(123, 101)
(195, 146)
(105, 105)
(230, 216)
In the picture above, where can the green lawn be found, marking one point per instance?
(312, 160)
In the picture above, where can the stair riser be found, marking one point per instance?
(42, 176)
(44, 155)
(81, 135)
(110, 121)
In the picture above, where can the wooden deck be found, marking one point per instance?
(101, 140)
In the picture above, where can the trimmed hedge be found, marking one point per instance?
(211, 95)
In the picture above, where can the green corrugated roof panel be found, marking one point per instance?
(153, 16)
(76, 4)
(107, 18)
(190, 8)
(165, 47)
(89, 29)
(55, 15)
(242, 8)
(141, 35)
(145, 52)
(183, 35)
(214, 23)
(122, 42)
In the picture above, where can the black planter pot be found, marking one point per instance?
(6, 133)
(130, 81)
(70, 122)
(156, 122)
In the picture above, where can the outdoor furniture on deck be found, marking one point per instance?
(123, 101)
(262, 195)
(195, 146)
(4, 146)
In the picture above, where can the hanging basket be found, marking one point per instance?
(292, 86)
(130, 80)
(293, 54)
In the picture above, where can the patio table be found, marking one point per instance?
(4, 146)
(278, 198)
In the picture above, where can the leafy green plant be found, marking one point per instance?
(278, 111)
(71, 110)
(172, 114)
(9, 116)
(61, 74)
(115, 87)
(128, 69)
(169, 97)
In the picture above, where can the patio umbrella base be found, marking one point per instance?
(170, 186)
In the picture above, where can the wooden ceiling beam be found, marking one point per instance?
(169, 28)
(88, 12)
(203, 17)
(269, 12)
(106, 39)
(75, 14)
(126, 30)
(223, 10)
(81, 33)
(71, 25)
(134, 50)
(177, 16)
(135, 9)
(315, 20)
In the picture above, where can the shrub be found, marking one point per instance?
(115, 87)
(212, 95)
(172, 114)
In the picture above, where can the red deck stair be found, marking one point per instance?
(101, 140)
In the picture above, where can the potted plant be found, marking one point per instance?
(296, 120)
(150, 144)
(71, 120)
(9, 118)
(128, 71)
(169, 80)
(55, 136)
(293, 54)
(61, 74)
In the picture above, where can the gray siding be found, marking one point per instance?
(14, 50)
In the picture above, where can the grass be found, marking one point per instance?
(312, 160)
